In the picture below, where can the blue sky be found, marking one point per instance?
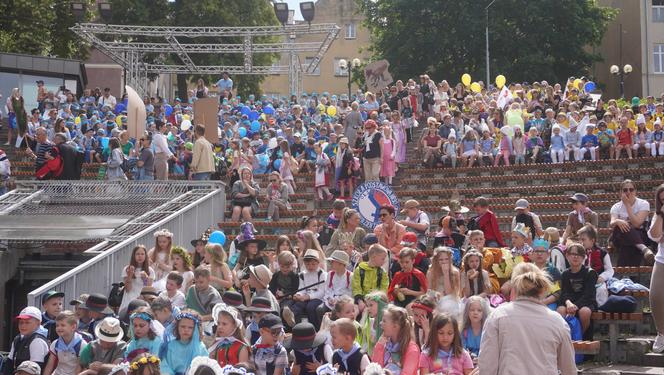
(295, 4)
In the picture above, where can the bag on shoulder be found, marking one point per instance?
(116, 294)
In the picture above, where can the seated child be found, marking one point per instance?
(338, 282)
(520, 238)
(107, 350)
(376, 302)
(309, 349)
(444, 352)
(577, 296)
(66, 349)
(347, 354)
(201, 296)
(173, 284)
(270, 357)
(259, 280)
(474, 279)
(409, 283)
(343, 308)
(260, 306)
(284, 283)
(540, 257)
(164, 312)
(145, 332)
(596, 257)
(182, 344)
(396, 350)
(229, 347)
(312, 290)
(476, 242)
(30, 344)
(422, 313)
(474, 315)
(369, 276)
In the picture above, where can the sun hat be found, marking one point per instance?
(521, 229)
(304, 336)
(109, 330)
(259, 304)
(311, 254)
(411, 203)
(261, 273)
(203, 238)
(29, 367)
(339, 256)
(579, 197)
(233, 299)
(80, 300)
(98, 303)
(455, 207)
(250, 238)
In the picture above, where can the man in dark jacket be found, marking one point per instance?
(71, 168)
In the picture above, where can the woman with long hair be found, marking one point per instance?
(115, 159)
(244, 194)
(349, 231)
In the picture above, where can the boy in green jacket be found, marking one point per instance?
(370, 276)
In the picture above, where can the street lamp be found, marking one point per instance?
(343, 65)
(488, 75)
(281, 11)
(615, 70)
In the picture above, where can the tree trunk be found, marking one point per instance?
(182, 88)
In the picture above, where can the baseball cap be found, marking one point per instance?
(270, 321)
(51, 294)
(30, 312)
(521, 204)
(579, 197)
(409, 239)
(370, 239)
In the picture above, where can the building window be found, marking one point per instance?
(351, 30)
(337, 70)
(658, 10)
(307, 61)
(658, 54)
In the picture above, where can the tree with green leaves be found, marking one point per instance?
(41, 27)
(529, 40)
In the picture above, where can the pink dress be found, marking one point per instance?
(388, 167)
(400, 138)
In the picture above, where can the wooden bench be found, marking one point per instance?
(613, 320)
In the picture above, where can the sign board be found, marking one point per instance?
(377, 76)
(205, 113)
(369, 197)
(136, 117)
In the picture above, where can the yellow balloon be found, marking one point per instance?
(332, 110)
(321, 108)
(475, 87)
(577, 83)
(186, 117)
(500, 81)
(465, 79)
(77, 120)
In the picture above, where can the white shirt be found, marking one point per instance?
(336, 286)
(619, 210)
(177, 300)
(309, 278)
(67, 361)
(110, 101)
(161, 144)
(659, 258)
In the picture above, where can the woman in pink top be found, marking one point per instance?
(396, 350)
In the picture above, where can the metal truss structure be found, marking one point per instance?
(127, 46)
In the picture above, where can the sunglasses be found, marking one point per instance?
(273, 180)
(628, 190)
(383, 215)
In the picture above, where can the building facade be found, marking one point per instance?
(352, 42)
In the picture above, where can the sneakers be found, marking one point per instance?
(658, 345)
(649, 260)
(289, 317)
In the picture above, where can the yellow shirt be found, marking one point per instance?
(632, 125)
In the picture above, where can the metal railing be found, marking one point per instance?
(186, 216)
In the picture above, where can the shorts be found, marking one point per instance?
(469, 153)
(241, 204)
(12, 120)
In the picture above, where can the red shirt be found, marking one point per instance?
(489, 225)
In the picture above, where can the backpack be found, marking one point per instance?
(325, 235)
(116, 294)
(379, 277)
(473, 223)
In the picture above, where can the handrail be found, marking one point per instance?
(97, 274)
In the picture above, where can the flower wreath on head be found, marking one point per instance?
(163, 233)
(181, 316)
(144, 361)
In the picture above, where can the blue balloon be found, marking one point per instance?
(125, 102)
(168, 109)
(217, 237)
(255, 126)
(268, 110)
(254, 115)
(590, 86)
(263, 160)
(277, 164)
(364, 116)
(119, 108)
(245, 110)
(104, 142)
(243, 132)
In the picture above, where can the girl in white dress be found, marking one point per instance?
(136, 275)
(160, 257)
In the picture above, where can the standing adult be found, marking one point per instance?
(202, 162)
(145, 162)
(18, 118)
(225, 85)
(115, 159)
(39, 147)
(352, 122)
(627, 218)
(201, 89)
(372, 151)
(507, 341)
(162, 152)
(70, 168)
(656, 233)
(107, 99)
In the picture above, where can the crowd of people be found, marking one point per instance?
(405, 298)
(398, 300)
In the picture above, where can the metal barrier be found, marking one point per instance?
(186, 216)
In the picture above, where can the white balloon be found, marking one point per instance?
(185, 125)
